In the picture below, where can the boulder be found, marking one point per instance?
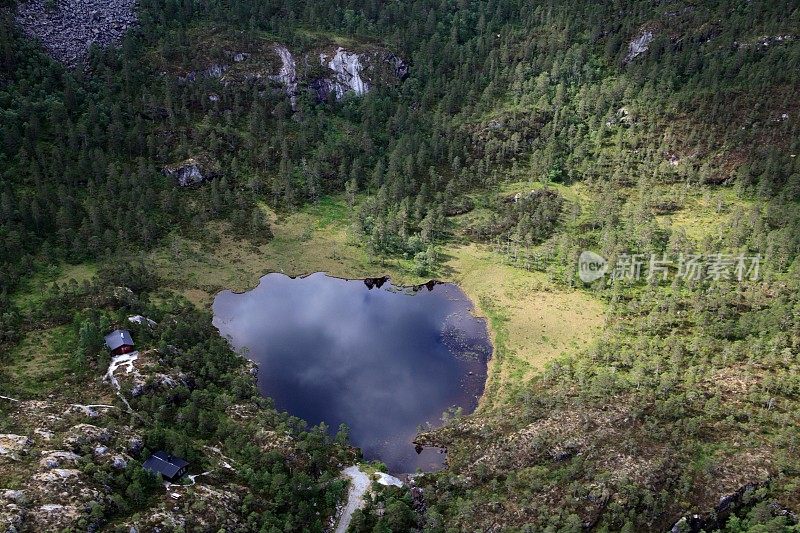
(85, 434)
(142, 321)
(387, 480)
(135, 445)
(14, 446)
(192, 171)
(56, 459)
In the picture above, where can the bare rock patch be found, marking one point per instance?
(68, 28)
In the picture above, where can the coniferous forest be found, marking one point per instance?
(514, 135)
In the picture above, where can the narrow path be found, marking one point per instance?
(88, 410)
(359, 485)
(193, 478)
(117, 361)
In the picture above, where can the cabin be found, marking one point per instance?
(119, 342)
(167, 466)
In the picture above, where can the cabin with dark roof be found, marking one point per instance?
(119, 342)
(167, 466)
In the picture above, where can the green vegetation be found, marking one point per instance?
(189, 417)
(39, 362)
(396, 512)
(526, 133)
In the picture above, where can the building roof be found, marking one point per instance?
(165, 464)
(117, 338)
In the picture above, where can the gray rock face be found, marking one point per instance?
(325, 72)
(186, 173)
(347, 68)
(287, 75)
(400, 67)
(70, 27)
(346, 72)
(639, 45)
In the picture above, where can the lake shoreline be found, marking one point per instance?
(457, 339)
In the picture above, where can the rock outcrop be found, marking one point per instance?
(287, 75)
(351, 72)
(639, 45)
(324, 71)
(347, 69)
(67, 28)
(192, 171)
(186, 173)
(14, 446)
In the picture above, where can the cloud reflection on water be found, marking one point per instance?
(332, 350)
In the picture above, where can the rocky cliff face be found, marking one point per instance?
(337, 72)
(347, 68)
(324, 71)
(351, 72)
(287, 75)
(192, 171)
(639, 45)
(67, 28)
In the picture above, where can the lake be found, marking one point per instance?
(382, 359)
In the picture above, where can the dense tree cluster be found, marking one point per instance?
(193, 414)
(549, 93)
(82, 150)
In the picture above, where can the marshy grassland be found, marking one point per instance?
(531, 319)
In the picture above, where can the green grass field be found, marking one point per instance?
(33, 290)
(531, 319)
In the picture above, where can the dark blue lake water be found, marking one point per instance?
(384, 360)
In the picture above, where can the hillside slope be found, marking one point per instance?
(508, 139)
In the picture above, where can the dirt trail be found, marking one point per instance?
(359, 485)
(118, 361)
